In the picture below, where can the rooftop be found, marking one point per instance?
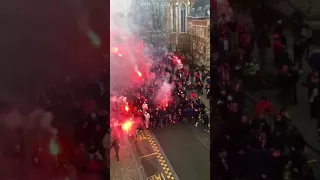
(200, 9)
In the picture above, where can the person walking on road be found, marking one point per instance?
(115, 144)
(313, 83)
(293, 78)
(298, 51)
(263, 44)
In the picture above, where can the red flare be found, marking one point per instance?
(139, 73)
(126, 126)
(115, 50)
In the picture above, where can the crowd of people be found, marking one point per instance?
(267, 146)
(81, 120)
(82, 136)
(166, 96)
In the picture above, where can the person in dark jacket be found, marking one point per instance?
(295, 140)
(206, 122)
(298, 52)
(263, 43)
(317, 113)
(260, 164)
(297, 22)
(276, 163)
(285, 85)
(293, 78)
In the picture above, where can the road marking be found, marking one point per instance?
(148, 155)
(141, 136)
(159, 176)
(208, 148)
(163, 163)
(312, 161)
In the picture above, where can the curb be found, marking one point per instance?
(174, 174)
(142, 172)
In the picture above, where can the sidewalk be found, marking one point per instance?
(127, 168)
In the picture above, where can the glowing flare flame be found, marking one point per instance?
(120, 55)
(127, 108)
(139, 73)
(115, 50)
(126, 126)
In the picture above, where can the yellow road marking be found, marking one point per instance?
(159, 176)
(141, 136)
(148, 155)
(163, 163)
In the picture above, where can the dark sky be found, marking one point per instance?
(40, 40)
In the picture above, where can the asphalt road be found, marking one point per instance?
(187, 149)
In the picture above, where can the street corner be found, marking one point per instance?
(151, 158)
(166, 173)
(148, 157)
(142, 145)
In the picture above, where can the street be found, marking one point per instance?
(188, 150)
(152, 159)
(176, 151)
(181, 151)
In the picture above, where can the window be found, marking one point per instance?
(197, 31)
(202, 31)
(183, 17)
(174, 23)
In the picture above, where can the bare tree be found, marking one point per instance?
(191, 48)
(152, 19)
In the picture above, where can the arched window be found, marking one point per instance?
(174, 22)
(183, 15)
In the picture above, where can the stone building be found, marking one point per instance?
(190, 18)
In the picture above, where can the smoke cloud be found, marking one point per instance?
(131, 59)
(129, 64)
(163, 93)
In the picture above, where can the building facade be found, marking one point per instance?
(186, 18)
